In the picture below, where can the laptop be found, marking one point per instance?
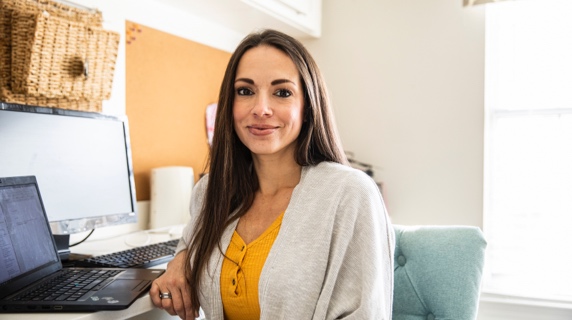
(32, 278)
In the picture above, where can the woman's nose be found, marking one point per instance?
(262, 107)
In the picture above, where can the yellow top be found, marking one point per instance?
(241, 271)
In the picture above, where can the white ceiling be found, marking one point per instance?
(235, 15)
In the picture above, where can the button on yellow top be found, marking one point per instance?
(241, 271)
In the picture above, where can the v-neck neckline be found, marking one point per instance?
(277, 222)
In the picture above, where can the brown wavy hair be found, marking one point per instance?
(232, 181)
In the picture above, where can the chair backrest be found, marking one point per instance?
(437, 272)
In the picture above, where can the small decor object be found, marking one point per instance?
(211, 115)
(78, 60)
(55, 55)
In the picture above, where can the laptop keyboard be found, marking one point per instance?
(69, 285)
(139, 257)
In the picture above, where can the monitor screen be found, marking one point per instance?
(82, 161)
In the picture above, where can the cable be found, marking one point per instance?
(75, 244)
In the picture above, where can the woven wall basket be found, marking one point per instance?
(79, 61)
(54, 55)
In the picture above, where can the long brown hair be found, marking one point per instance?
(232, 181)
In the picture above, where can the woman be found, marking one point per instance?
(281, 227)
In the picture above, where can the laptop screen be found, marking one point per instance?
(25, 239)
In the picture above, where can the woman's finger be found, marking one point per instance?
(154, 294)
(176, 303)
(167, 298)
(162, 297)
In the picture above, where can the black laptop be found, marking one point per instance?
(32, 278)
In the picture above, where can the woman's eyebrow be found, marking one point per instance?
(280, 81)
(275, 82)
(247, 80)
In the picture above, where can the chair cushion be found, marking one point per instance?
(438, 272)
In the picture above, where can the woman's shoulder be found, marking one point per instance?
(349, 190)
(335, 178)
(333, 172)
(203, 181)
(200, 187)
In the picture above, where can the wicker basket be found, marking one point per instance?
(79, 61)
(33, 69)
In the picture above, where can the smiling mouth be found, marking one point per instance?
(263, 127)
(261, 130)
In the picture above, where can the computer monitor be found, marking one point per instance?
(82, 161)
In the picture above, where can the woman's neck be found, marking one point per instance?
(276, 175)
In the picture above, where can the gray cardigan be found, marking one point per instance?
(332, 259)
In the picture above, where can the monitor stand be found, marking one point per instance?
(63, 246)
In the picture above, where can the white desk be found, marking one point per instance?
(142, 308)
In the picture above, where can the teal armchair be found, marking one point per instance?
(438, 272)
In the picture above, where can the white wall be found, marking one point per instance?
(406, 79)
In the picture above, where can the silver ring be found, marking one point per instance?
(165, 295)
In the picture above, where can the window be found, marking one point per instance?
(528, 155)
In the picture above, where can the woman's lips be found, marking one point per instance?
(261, 130)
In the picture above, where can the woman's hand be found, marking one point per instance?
(171, 291)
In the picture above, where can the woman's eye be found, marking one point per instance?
(244, 92)
(283, 93)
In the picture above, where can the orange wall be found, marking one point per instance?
(169, 83)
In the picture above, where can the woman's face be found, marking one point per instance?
(268, 102)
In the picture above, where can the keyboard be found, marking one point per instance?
(138, 257)
(69, 285)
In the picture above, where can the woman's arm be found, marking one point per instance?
(174, 281)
